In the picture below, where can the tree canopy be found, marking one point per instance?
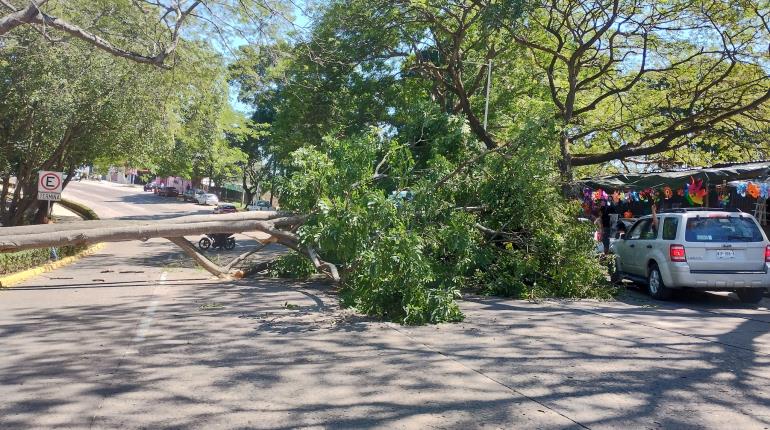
(428, 148)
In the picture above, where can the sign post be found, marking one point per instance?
(49, 185)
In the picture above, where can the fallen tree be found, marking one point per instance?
(281, 228)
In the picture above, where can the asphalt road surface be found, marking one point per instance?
(134, 337)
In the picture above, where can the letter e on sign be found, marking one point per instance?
(49, 182)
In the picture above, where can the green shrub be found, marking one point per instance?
(22, 260)
(17, 261)
(81, 210)
(291, 265)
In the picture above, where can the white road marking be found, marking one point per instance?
(144, 326)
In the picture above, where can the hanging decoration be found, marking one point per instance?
(587, 201)
(654, 194)
(695, 192)
(616, 197)
(753, 190)
(724, 199)
(667, 193)
(600, 195)
(741, 189)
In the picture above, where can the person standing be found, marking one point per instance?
(604, 222)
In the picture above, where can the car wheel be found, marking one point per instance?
(655, 285)
(230, 244)
(204, 243)
(750, 295)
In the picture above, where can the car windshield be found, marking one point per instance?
(722, 229)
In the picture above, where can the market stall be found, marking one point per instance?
(741, 186)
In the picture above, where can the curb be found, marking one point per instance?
(19, 277)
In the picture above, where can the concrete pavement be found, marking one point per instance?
(132, 338)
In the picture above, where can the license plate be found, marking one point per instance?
(725, 253)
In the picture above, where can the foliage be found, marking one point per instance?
(649, 80)
(22, 260)
(406, 257)
(291, 265)
(145, 32)
(406, 195)
(64, 106)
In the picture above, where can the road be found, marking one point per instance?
(134, 338)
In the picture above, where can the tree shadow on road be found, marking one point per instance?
(254, 354)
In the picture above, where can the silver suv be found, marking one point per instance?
(709, 249)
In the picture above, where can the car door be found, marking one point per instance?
(623, 248)
(633, 252)
(647, 245)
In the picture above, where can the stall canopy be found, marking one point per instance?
(675, 179)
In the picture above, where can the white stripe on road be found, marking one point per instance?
(144, 326)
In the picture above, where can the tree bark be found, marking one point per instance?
(4, 196)
(199, 258)
(32, 15)
(163, 228)
(19, 17)
(565, 163)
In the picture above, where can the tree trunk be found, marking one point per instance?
(23, 199)
(199, 258)
(14, 207)
(4, 196)
(565, 164)
(279, 226)
(41, 212)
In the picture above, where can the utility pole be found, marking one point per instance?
(489, 84)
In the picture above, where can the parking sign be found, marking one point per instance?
(49, 185)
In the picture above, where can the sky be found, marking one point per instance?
(300, 23)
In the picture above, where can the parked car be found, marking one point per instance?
(260, 205)
(225, 208)
(168, 192)
(208, 199)
(191, 195)
(708, 249)
(615, 233)
(150, 186)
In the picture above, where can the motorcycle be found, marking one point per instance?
(217, 241)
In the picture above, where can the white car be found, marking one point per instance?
(208, 199)
(260, 205)
(707, 249)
